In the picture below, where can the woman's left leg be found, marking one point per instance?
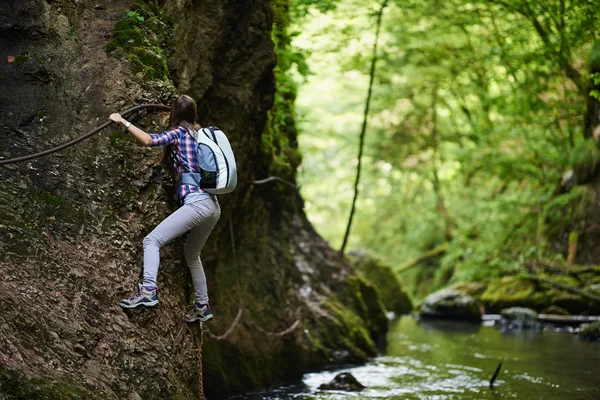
(210, 211)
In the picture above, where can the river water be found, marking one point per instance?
(447, 360)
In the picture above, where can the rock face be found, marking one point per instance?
(450, 304)
(394, 297)
(520, 318)
(344, 381)
(72, 224)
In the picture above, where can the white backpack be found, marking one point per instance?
(216, 162)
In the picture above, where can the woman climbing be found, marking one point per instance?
(198, 215)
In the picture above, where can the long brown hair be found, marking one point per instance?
(183, 113)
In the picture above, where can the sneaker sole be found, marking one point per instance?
(209, 318)
(152, 304)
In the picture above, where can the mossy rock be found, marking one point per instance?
(520, 317)
(344, 381)
(514, 292)
(15, 387)
(142, 45)
(393, 296)
(369, 306)
(555, 310)
(149, 62)
(474, 289)
(590, 332)
(450, 304)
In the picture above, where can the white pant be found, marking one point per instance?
(198, 217)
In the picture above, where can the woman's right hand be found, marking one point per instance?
(115, 117)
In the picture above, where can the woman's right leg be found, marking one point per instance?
(210, 211)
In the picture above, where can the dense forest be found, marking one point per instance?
(479, 148)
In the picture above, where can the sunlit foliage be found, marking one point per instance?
(477, 111)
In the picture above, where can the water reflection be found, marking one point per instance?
(442, 360)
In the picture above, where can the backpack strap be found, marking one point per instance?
(190, 178)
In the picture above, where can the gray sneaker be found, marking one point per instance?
(200, 312)
(145, 297)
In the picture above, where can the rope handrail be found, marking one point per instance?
(276, 178)
(83, 137)
(237, 320)
(91, 133)
(278, 334)
(228, 332)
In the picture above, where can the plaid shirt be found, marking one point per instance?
(187, 158)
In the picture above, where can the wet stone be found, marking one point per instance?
(344, 381)
(452, 305)
(519, 318)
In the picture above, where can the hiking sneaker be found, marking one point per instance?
(200, 312)
(145, 297)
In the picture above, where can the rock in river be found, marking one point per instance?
(589, 331)
(451, 304)
(344, 381)
(520, 317)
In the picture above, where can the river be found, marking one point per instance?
(446, 360)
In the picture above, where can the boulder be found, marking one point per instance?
(474, 289)
(451, 304)
(513, 291)
(555, 310)
(520, 318)
(392, 294)
(589, 331)
(594, 288)
(344, 381)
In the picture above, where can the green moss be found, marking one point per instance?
(15, 387)
(393, 296)
(142, 36)
(555, 310)
(573, 237)
(48, 206)
(149, 62)
(117, 139)
(585, 159)
(352, 334)
(512, 292)
(590, 332)
(473, 289)
(47, 198)
(129, 33)
(279, 138)
(42, 113)
(21, 59)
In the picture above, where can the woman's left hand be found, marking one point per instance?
(116, 117)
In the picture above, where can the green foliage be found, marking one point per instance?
(279, 143)
(136, 15)
(71, 34)
(142, 36)
(21, 59)
(594, 58)
(475, 116)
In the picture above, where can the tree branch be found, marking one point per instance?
(364, 125)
